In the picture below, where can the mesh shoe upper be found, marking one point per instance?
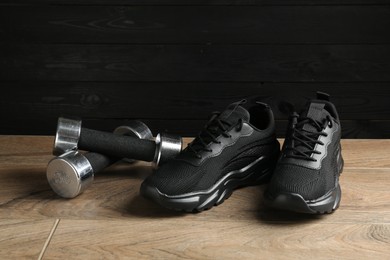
(218, 150)
(308, 164)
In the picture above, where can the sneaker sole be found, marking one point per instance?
(295, 202)
(258, 172)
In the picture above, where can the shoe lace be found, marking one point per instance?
(308, 139)
(214, 128)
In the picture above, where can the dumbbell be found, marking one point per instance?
(71, 136)
(72, 172)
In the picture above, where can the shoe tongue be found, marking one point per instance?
(231, 115)
(234, 112)
(315, 110)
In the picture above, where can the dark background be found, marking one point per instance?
(172, 62)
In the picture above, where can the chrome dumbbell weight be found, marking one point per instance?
(71, 136)
(72, 172)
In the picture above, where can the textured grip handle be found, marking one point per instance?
(99, 161)
(116, 146)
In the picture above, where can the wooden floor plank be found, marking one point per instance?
(24, 145)
(22, 185)
(111, 219)
(23, 238)
(115, 194)
(366, 153)
(172, 239)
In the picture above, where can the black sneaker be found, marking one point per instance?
(236, 148)
(306, 178)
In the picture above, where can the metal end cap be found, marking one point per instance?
(168, 146)
(135, 128)
(69, 174)
(67, 135)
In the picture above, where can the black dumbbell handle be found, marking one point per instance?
(99, 161)
(116, 145)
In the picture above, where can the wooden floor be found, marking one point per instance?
(111, 220)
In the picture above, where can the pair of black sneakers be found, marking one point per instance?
(238, 148)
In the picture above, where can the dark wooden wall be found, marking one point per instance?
(171, 62)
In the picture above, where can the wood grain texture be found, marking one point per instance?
(187, 100)
(111, 220)
(213, 63)
(32, 107)
(25, 182)
(95, 59)
(23, 238)
(351, 128)
(359, 153)
(103, 60)
(217, 240)
(115, 194)
(369, 154)
(198, 24)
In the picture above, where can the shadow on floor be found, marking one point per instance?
(271, 216)
(141, 207)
